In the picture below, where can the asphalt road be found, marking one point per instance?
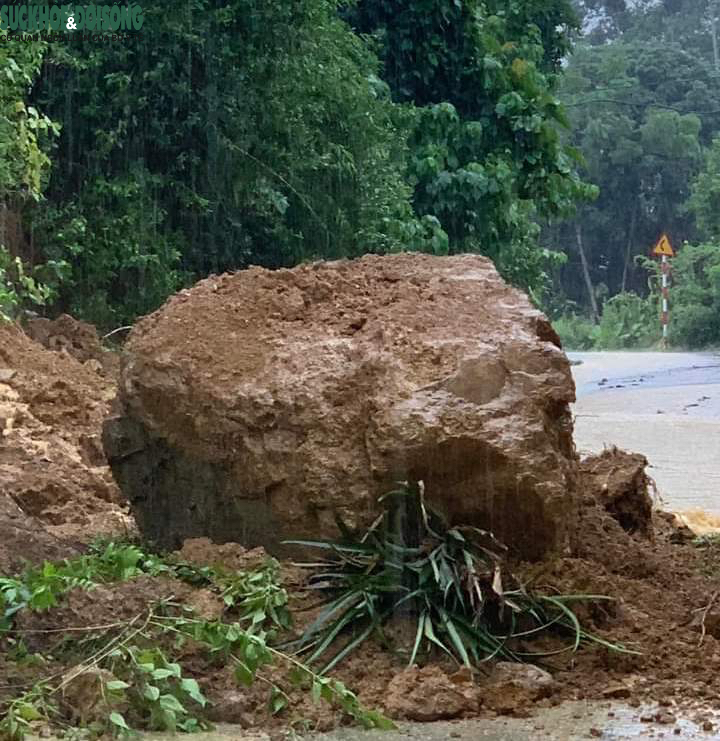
(664, 405)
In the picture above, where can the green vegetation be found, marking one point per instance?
(136, 665)
(450, 583)
(24, 166)
(628, 321)
(267, 133)
(485, 155)
(640, 91)
(271, 133)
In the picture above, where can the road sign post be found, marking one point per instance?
(664, 250)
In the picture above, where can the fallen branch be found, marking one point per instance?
(704, 613)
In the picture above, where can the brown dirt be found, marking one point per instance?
(203, 552)
(77, 339)
(666, 591)
(56, 490)
(55, 494)
(617, 480)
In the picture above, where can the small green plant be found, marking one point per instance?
(257, 593)
(41, 588)
(249, 652)
(145, 686)
(449, 581)
(576, 332)
(159, 696)
(21, 712)
(628, 321)
(18, 287)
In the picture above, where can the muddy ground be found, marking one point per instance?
(665, 586)
(571, 721)
(666, 606)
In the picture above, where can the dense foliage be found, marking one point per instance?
(264, 132)
(486, 156)
(23, 163)
(642, 92)
(269, 133)
(256, 132)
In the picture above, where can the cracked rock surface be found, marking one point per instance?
(257, 406)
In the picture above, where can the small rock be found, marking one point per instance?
(665, 717)
(512, 687)
(708, 726)
(429, 694)
(617, 691)
(86, 698)
(6, 374)
(596, 733)
(231, 706)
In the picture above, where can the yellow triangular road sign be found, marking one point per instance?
(663, 247)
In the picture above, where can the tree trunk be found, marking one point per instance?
(628, 249)
(586, 273)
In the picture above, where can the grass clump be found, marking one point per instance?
(451, 582)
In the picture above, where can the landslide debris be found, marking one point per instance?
(56, 490)
(260, 405)
(665, 605)
(618, 480)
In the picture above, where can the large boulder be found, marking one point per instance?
(258, 405)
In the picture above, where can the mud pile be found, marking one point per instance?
(617, 480)
(259, 405)
(665, 606)
(56, 490)
(78, 339)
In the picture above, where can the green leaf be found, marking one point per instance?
(243, 674)
(193, 690)
(456, 640)
(28, 711)
(162, 673)
(418, 637)
(278, 701)
(151, 692)
(118, 720)
(172, 704)
(373, 719)
(116, 684)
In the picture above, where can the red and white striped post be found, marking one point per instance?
(664, 250)
(665, 296)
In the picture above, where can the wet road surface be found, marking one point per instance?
(571, 721)
(664, 405)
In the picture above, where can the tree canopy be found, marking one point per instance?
(266, 132)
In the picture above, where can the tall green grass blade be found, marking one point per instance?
(418, 637)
